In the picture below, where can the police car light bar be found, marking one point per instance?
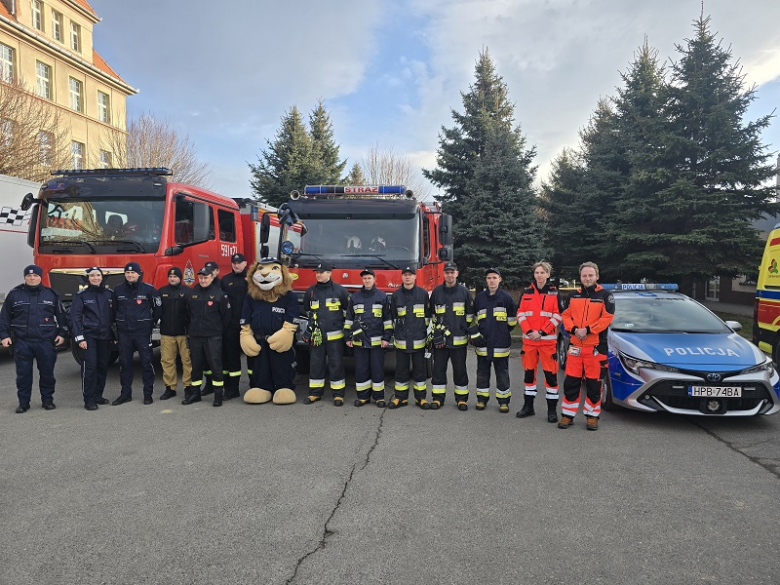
(159, 171)
(640, 286)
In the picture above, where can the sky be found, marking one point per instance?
(390, 72)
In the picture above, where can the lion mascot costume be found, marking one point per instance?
(268, 331)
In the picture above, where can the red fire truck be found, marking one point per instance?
(107, 217)
(382, 227)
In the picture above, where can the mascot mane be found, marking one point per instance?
(280, 287)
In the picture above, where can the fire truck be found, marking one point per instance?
(382, 227)
(107, 217)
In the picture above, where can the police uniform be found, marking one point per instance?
(30, 320)
(326, 304)
(137, 307)
(496, 316)
(270, 370)
(90, 322)
(591, 308)
(368, 324)
(173, 335)
(410, 310)
(235, 287)
(540, 311)
(453, 310)
(208, 309)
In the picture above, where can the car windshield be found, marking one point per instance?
(359, 242)
(651, 313)
(101, 225)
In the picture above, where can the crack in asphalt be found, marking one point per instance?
(773, 469)
(326, 531)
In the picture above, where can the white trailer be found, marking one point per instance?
(15, 254)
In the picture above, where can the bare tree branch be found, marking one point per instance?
(383, 166)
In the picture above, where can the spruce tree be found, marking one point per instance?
(325, 151)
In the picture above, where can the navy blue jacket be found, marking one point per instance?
(496, 315)
(208, 311)
(267, 318)
(32, 313)
(235, 287)
(91, 313)
(174, 319)
(137, 307)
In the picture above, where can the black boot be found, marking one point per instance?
(231, 389)
(206, 388)
(169, 393)
(187, 394)
(552, 410)
(217, 398)
(194, 396)
(528, 407)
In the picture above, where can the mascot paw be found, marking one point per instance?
(248, 343)
(284, 396)
(257, 396)
(282, 340)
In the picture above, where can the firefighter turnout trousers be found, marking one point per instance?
(460, 376)
(587, 365)
(501, 367)
(410, 366)
(231, 357)
(532, 354)
(370, 373)
(206, 351)
(172, 346)
(328, 356)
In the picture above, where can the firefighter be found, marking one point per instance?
(173, 333)
(90, 326)
(590, 311)
(208, 387)
(410, 310)
(208, 312)
(33, 321)
(137, 307)
(539, 315)
(235, 287)
(369, 331)
(326, 304)
(453, 311)
(496, 316)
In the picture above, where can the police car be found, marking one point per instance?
(668, 353)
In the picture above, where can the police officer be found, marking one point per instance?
(588, 316)
(137, 307)
(453, 311)
(326, 304)
(173, 333)
(90, 327)
(235, 287)
(496, 316)
(32, 319)
(410, 310)
(369, 328)
(207, 387)
(208, 309)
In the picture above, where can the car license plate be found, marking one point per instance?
(715, 391)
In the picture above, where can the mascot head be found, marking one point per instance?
(269, 279)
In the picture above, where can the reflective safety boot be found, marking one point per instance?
(566, 422)
(217, 398)
(591, 423)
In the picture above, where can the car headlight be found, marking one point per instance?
(766, 366)
(633, 365)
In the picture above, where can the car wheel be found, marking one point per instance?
(561, 349)
(607, 402)
(76, 351)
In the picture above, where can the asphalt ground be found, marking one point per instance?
(177, 494)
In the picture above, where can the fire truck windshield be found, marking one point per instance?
(357, 243)
(110, 225)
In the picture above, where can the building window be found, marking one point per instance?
(75, 37)
(77, 151)
(104, 106)
(56, 25)
(45, 146)
(105, 159)
(37, 14)
(75, 94)
(6, 63)
(43, 80)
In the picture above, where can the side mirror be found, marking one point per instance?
(33, 226)
(445, 230)
(174, 251)
(265, 229)
(445, 253)
(27, 202)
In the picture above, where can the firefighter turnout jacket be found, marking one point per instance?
(368, 318)
(539, 310)
(32, 313)
(174, 317)
(235, 287)
(90, 313)
(453, 308)
(209, 311)
(410, 309)
(328, 303)
(137, 307)
(592, 308)
(496, 316)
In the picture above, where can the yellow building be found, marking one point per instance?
(47, 45)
